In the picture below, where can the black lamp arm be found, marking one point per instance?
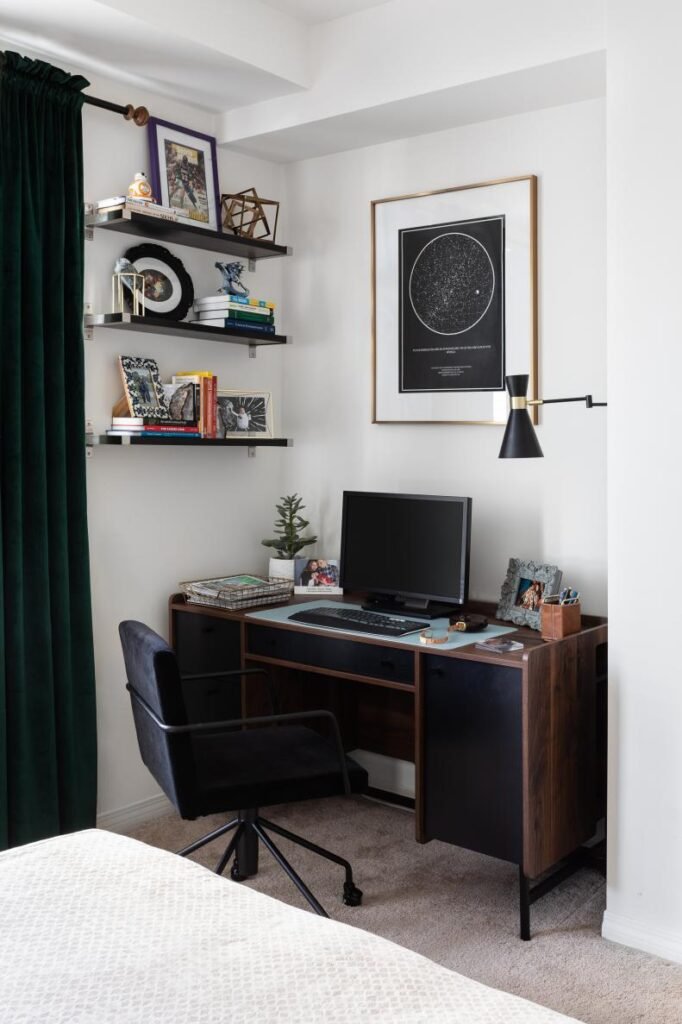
(587, 399)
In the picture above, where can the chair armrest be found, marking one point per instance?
(226, 674)
(226, 725)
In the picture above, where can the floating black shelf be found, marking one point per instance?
(132, 223)
(181, 328)
(194, 442)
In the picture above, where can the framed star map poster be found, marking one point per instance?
(454, 276)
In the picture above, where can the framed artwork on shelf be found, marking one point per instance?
(244, 413)
(524, 589)
(454, 296)
(168, 288)
(143, 388)
(184, 172)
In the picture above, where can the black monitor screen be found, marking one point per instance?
(412, 545)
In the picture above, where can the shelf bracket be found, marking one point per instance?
(251, 450)
(251, 264)
(88, 231)
(87, 328)
(253, 349)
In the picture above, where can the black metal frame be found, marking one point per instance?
(249, 826)
(583, 857)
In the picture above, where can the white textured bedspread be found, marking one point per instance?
(97, 928)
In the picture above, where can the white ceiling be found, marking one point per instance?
(314, 11)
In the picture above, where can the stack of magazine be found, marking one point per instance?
(236, 592)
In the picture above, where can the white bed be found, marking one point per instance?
(98, 928)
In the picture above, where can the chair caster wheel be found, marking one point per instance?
(235, 873)
(352, 896)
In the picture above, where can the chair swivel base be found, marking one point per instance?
(251, 821)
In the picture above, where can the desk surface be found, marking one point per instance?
(282, 614)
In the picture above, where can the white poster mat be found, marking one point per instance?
(516, 201)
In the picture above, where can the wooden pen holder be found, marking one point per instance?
(559, 620)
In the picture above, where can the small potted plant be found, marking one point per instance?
(289, 541)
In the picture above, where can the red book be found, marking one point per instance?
(159, 429)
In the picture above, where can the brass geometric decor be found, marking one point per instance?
(244, 214)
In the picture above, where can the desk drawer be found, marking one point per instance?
(337, 655)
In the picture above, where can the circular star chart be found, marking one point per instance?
(452, 283)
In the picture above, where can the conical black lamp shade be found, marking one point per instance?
(520, 440)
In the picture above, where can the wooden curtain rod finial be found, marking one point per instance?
(140, 115)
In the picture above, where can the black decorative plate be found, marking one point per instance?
(168, 288)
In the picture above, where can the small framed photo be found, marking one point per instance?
(184, 172)
(143, 388)
(524, 590)
(244, 414)
(316, 576)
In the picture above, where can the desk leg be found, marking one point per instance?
(524, 906)
(246, 859)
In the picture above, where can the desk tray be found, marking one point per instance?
(222, 592)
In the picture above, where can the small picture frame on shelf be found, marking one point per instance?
(184, 172)
(316, 576)
(244, 414)
(143, 388)
(524, 589)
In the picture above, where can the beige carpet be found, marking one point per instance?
(459, 909)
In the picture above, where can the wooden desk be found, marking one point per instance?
(509, 749)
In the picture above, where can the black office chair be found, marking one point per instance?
(208, 767)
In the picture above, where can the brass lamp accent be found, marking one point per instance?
(520, 440)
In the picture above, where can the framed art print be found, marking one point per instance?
(184, 172)
(168, 288)
(454, 301)
(143, 388)
(244, 413)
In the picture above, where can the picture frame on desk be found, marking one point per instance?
(523, 589)
(454, 296)
(316, 577)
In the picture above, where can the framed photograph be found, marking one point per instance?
(244, 413)
(181, 399)
(184, 172)
(168, 288)
(143, 388)
(524, 590)
(316, 576)
(454, 288)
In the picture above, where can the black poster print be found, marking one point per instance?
(452, 306)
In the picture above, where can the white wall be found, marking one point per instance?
(158, 516)
(551, 509)
(644, 904)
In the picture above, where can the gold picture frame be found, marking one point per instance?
(517, 195)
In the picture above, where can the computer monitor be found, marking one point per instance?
(409, 552)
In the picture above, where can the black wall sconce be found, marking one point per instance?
(520, 440)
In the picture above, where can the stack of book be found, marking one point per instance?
(114, 203)
(205, 398)
(250, 316)
(139, 426)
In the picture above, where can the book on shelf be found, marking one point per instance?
(217, 301)
(139, 206)
(206, 392)
(242, 325)
(258, 316)
(138, 424)
(154, 433)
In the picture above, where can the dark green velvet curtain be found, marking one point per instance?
(47, 691)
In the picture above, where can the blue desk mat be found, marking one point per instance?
(282, 614)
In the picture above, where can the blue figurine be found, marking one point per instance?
(232, 284)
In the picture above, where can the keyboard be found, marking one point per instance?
(377, 623)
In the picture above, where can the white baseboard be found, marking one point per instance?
(138, 813)
(387, 773)
(628, 932)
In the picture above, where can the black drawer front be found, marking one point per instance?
(336, 655)
(207, 644)
(472, 751)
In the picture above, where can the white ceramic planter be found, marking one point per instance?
(281, 567)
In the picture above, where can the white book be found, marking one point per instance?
(219, 301)
(206, 314)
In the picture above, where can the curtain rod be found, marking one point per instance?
(140, 115)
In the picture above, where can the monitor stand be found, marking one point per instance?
(408, 607)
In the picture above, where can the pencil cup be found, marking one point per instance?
(559, 620)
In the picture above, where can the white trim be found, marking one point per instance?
(387, 773)
(138, 813)
(629, 932)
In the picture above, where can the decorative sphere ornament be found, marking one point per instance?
(139, 188)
